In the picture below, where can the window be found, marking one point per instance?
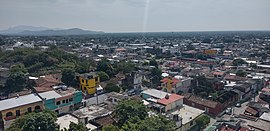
(63, 101)
(58, 102)
(9, 114)
(70, 99)
(66, 100)
(96, 79)
(37, 108)
(18, 112)
(29, 109)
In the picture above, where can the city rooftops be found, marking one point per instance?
(19, 101)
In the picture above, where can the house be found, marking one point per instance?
(219, 74)
(114, 97)
(153, 93)
(62, 100)
(245, 88)
(65, 120)
(176, 84)
(210, 107)
(226, 125)
(186, 117)
(171, 101)
(89, 82)
(18, 106)
(45, 83)
(91, 113)
(133, 80)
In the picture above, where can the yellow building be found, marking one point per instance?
(12, 108)
(89, 82)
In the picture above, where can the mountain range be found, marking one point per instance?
(45, 31)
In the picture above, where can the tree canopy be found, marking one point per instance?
(42, 121)
(68, 76)
(238, 62)
(103, 76)
(127, 109)
(110, 87)
(202, 121)
(77, 127)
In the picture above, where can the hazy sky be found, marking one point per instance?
(138, 15)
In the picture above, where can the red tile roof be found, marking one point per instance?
(224, 128)
(218, 73)
(174, 80)
(266, 89)
(172, 98)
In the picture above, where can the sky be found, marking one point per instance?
(138, 15)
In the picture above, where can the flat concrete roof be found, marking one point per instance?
(91, 112)
(65, 120)
(19, 101)
(188, 113)
(49, 95)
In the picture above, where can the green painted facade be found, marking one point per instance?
(51, 103)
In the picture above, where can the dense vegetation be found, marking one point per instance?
(38, 62)
(42, 121)
(132, 116)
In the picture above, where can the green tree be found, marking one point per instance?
(238, 62)
(68, 76)
(42, 121)
(18, 68)
(153, 62)
(105, 66)
(202, 121)
(110, 128)
(127, 109)
(103, 76)
(110, 87)
(241, 73)
(16, 81)
(156, 76)
(77, 127)
(125, 67)
(157, 123)
(133, 124)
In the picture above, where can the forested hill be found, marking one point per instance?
(37, 62)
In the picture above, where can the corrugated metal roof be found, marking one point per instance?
(19, 101)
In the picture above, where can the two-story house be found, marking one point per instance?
(89, 82)
(62, 99)
(176, 84)
(18, 106)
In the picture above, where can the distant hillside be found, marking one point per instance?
(44, 31)
(20, 28)
(73, 31)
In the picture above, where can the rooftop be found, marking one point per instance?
(155, 93)
(172, 98)
(19, 101)
(49, 95)
(188, 113)
(91, 112)
(87, 76)
(65, 120)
